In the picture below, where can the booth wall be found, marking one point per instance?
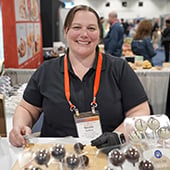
(150, 9)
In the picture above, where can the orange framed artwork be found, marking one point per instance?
(22, 33)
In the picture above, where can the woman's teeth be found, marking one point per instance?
(83, 42)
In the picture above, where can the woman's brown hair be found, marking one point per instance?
(143, 30)
(72, 12)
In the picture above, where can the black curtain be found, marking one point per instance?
(49, 11)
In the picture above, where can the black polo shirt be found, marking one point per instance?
(119, 91)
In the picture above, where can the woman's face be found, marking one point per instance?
(83, 34)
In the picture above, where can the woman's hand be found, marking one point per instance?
(16, 136)
(24, 117)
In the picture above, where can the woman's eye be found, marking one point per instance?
(76, 27)
(91, 28)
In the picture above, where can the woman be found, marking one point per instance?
(156, 37)
(70, 79)
(142, 44)
(165, 39)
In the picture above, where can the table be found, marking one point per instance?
(9, 154)
(156, 84)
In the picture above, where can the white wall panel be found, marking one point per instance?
(150, 9)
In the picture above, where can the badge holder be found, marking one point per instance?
(88, 123)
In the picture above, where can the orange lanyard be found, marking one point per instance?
(95, 87)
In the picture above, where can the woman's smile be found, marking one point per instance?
(83, 42)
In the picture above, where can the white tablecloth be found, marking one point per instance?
(156, 84)
(9, 154)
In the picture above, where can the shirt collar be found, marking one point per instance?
(94, 64)
(62, 63)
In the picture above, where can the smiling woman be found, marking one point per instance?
(85, 88)
(82, 36)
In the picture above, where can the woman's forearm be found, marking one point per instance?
(22, 117)
(25, 114)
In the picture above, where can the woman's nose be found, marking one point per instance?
(84, 32)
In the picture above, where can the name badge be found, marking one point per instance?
(88, 125)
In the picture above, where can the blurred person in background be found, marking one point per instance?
(133, 27)
(125, 26)
(156, 37)
(132, 30)
(142, 43)
(165, 39)
(102, 29)
(114, 39)
(136, 24)
(155, 26)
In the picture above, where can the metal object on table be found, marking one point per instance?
(28, 137)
